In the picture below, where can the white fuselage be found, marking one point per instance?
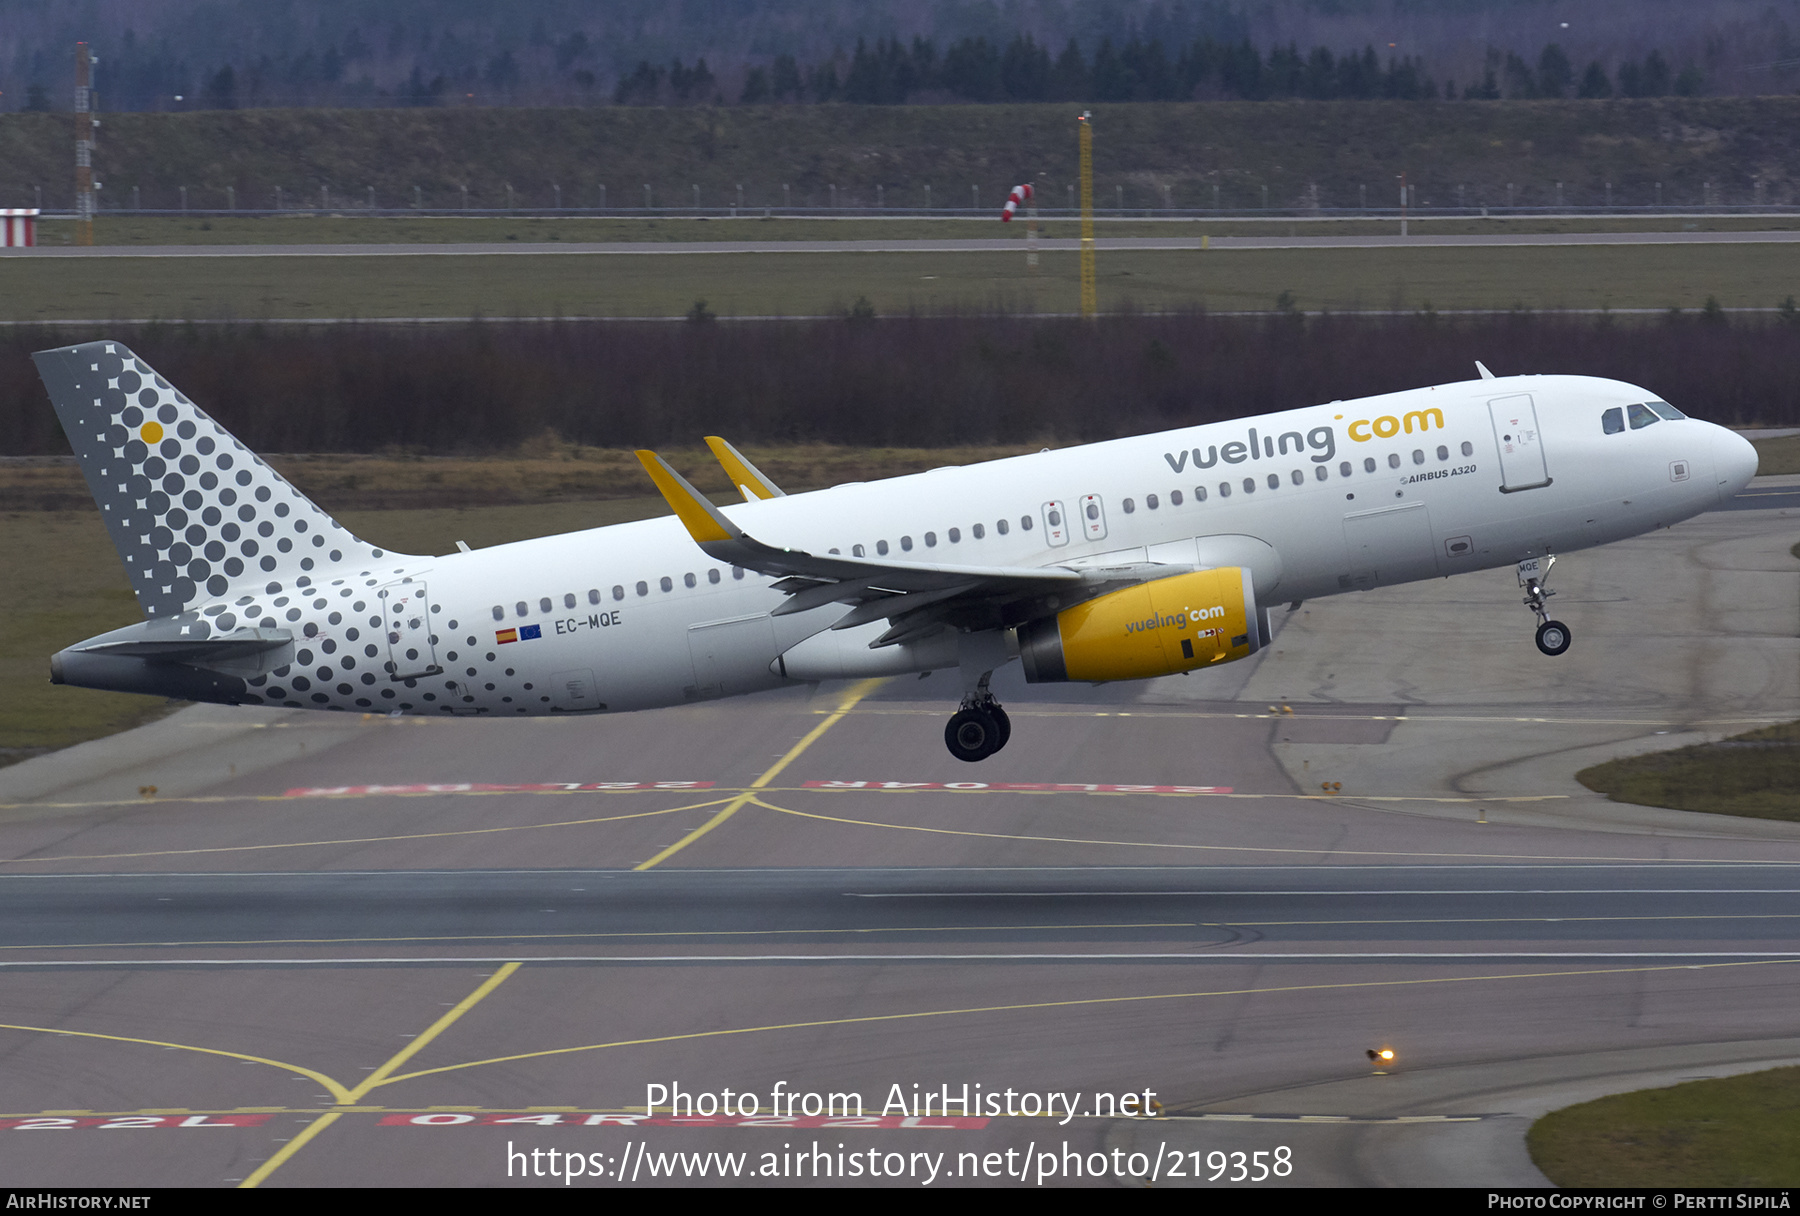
(1350, 496)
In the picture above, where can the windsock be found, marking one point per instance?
(1019, 194)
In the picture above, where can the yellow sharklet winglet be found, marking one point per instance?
(702, 520)
(745, 476)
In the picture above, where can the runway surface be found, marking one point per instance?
(1001, 245)
(335, 951)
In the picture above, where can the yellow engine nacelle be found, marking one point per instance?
(1159, 628)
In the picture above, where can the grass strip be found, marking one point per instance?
(1756, 774)
(827, 284)
(1729, 1132)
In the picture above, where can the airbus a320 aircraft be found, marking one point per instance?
(1115, 561)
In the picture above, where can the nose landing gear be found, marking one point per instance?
(979, 728)
(1553, 637)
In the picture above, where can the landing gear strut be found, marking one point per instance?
(1553, 637)
(979, 727)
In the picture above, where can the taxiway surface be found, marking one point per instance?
(344, 951)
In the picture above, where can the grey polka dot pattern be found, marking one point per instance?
(197, 517)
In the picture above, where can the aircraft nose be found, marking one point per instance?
(1734, 462)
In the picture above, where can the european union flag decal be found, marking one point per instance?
(528, 632)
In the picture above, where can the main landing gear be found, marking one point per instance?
(979, 728)
(1553, 637)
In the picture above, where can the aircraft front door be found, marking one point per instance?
(407, 612)
(1520, 443)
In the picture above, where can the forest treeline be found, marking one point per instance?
(181, 54)
(890, 72)
(899, 381)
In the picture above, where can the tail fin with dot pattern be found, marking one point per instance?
(197, 517)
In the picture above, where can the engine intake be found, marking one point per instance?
(1159, 628)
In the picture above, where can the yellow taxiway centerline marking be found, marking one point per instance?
(855, 694)
(1069, 1004)
(1217, 848)
(308, 844)
(337, 1090)
(378, 1077)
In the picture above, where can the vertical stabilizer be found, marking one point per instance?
(195, 515)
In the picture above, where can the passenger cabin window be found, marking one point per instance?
(1612, 421)
(1640, 416)
(1443, 452)
(618, 591)
(544, 604)
(931, 540)
(712, 576)
(689, 581)
(666, 583)
(1000, 525)
(1393, 460)
(906, 543)
(1368, 464)
(568, 600)
(1024, 522)
(1418, 455)
(499, 613)
(1199, 493)
(522, 608)
(1150, 501)
(643, 588)
(881, 548)
(856, 551)
(977, 532)
(1468, 449)
(1224, 489)
(1128, 505)
(1174, 498)
(593, 595)
(955, 535)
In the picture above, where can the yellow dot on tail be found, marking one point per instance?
(152, 432)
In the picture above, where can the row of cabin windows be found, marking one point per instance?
(1152, 502)
(548, 605)
(1298, 477)
(953, 535)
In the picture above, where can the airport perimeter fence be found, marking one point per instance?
(1117, 203)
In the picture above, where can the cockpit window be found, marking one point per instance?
(1613, 421)
(1641, 416)
(1664, 410)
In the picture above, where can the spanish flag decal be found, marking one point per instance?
(504, 636)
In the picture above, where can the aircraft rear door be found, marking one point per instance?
(406, 611)
(1519, 442)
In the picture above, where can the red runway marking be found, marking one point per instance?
(1029, 786)
(471, 787)
(126, 1122)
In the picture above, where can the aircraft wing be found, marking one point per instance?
(914, 597)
